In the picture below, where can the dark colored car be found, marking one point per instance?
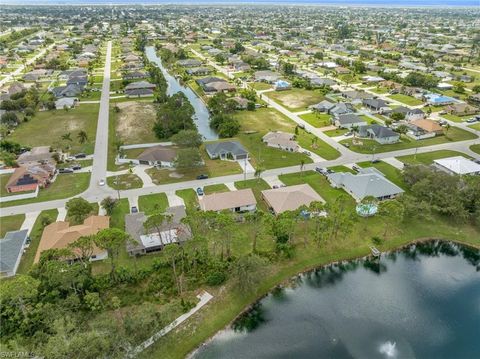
(199, 177)
(134, 209)
(76, 167)
(81, 155)
(65, 170)
(375, 161)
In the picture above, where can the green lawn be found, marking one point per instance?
(153, 202)
(336, 132)
(407, 100)
(295, 99)
(189, 197)
(260, 86)
(370, 146)
(27, 259)
(318, 182)
(117, 219)
(380, 90)
(316, 145)
(47, 127)
(11, 223)
(257, 186)
(341, 169)
(317, 119)
(66, 185)
(125, 181)
(390, 172)
(475, 126)
(475, 148)
(428, 157)
(215, 188)
(456, 118)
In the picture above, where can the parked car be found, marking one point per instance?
(321, 170)
(81, 155)
(101, 182)
(65, 170)
(275, 186)
(346, 145)
(76, 167)
(134, 209)
(200, 191)
(348, 134)
(375, 161)
(472, 120)
(355, 168)
(307, 153)
(330, 171)
(202, 176)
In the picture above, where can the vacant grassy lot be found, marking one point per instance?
(317, 119)
(125, 181)
(428, 157)
(407, 100)
(370, 146)
(189, 197)
(316, 145)
(456, 118)
(117, 219)
(134, 123)
(215, 188)
(48, 127)
(27, 259)
(66, 185)
(257, 186)
(11, 223)
(336, 132)
(260, 86)
(296, 99)
(152, 203)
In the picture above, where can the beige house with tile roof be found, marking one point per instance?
(290, 198)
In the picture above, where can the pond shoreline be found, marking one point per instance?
(285, 281)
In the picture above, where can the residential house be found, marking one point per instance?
(266, 76)
(356, 96)
(135, 75)
(380, 134)
(424, 128)
(281, 140)
(226, 150)
(349, 120)
(236, 201)
(367, 182)
(219, 86)
(171, 231)
(11, 250)
(461, 109)
(29, 177)
(65, 102)
(376, 105)
(290, 198)
(59, 235)
(197, 71)
(341, 108)
(189, 63)
(438, 100)
(40, 154)
(163, 156)
(457, 165)
(322, 106)
(139, 89)
(410, 114)
(72, 90)
(242, 102)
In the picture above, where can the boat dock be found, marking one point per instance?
(375, 251)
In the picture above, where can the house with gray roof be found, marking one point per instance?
(376, 104)
(341, 108)
(11, 250)
(323, 106)
(367, 182)
(349, 120)
(226, 150)
(381, 134)
(72, 90)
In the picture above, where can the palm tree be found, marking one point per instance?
(447, 127)
(302, 164)
(82, 137)
(67, 136)
(354, 130)
(258, 172)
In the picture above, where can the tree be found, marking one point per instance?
(393, 212)
(319, 221)
(256, 219)
(248, 271)
(258, 172)
(172, 254)
(302, 165)
(109, 204)
(187, 138)
(397, 116)
(9, 119)
(67, 137)
(188, 158)
(458, 87)
(78, 209)
(476, 89)
(111, 240)
(428, 60)
(82, 137)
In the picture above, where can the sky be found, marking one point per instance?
(474, 3)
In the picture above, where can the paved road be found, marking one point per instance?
(99, 168)
(19, 70)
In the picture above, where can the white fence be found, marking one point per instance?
(7, 171)
(145, 145)
(19, 196)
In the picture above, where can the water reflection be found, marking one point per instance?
(426, 305)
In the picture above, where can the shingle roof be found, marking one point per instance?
(233, 147)
(290, 198)
(11, 247)
(227, 200)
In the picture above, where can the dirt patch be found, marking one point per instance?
(293, 101)
(135, 122)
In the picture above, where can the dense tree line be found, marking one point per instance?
(222, 108)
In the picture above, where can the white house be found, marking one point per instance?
(458, 165)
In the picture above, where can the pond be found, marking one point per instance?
(202, 116)
(419, 302)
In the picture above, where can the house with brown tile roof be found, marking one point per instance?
(290, 198)
(424, 128)
(236, 201)
(28, 178)
(59, 235)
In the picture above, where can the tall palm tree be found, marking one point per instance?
(302, 165)
(258, 172)
(82, 137)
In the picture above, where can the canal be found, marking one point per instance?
(202, 116)
(419, 302)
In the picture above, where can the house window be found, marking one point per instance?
(237, 209)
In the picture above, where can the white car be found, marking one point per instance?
(101, 182)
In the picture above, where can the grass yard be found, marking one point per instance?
(319, 183)
(390, 172)
(117, 219)
(317, 119)
(475, 148)
(27, 259)
(189, 197)
(341, 169)
(428, 157)
(407, 100)
(257, 186)
(316, 145)
(125, 181)
(152, 203)
(134, 123)
(260, 86)
(336, 132)
(296, 99)
(380, 90)
(215, 188)
(47, 128)
(475, 126)
(66, 185)
(11, 223)
(456, 118)
(370, 146)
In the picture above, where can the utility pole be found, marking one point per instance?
(118, 188)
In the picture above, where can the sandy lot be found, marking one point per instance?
(134, 122)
